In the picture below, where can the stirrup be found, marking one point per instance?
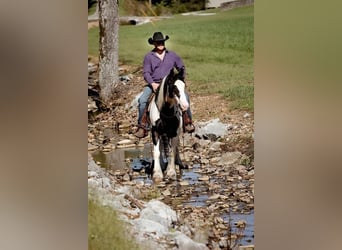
(189, 128)
(141, 132)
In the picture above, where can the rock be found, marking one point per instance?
(214, 127)
(246, 115)
(150, 227)
(92, 174)
(185, 243)
(104, 182)
(215, 160)
(247, 247)
(92, 107)
(216, 146)
(134, 104)
(214, 197)
(126, 177)
(159, 212)
(92, 183)
(126, 146)
(241, 223)
(184, 183)
(230, 158)
(223, 243)
(204, 178)
(91, 147)
(166, 192)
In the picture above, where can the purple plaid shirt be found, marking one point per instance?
(155, 70)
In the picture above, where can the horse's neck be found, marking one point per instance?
(160, 95)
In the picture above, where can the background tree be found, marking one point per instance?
(109, 48)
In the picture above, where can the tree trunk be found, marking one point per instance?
(109, 48)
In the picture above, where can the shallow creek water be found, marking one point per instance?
(120, 159)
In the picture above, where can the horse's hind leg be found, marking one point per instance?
(171, 167)
(179, 161)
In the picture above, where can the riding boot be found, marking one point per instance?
(143, 126)
(188, 126)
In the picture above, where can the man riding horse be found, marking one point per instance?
(157, 64)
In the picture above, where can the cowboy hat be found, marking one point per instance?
(157, 37)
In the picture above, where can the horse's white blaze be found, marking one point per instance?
(182, 100)
(157, 172)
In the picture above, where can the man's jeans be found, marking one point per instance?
(143, 99)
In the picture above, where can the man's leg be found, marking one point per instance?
(187, 118)
(142, 117)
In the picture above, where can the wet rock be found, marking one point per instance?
(204, 178)
(214, 197)
(247, 247)
(241, 223)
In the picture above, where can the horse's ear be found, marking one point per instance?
(172, 73)
(180, 74)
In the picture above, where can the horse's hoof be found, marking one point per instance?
(157, 178)
(172, 175)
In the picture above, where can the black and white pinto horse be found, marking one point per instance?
(165, 114)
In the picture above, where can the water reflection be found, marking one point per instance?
(249, 229)
(118, 158)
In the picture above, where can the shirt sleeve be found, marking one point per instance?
(147, 69)
(179, 64)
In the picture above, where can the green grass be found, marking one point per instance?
(92, 10)
(105, 231)
(217, 50)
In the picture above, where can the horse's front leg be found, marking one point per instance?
(157, 171)
(171, 167)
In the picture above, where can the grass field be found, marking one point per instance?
(105, 230)
(218, 50)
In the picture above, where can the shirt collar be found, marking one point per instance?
(166, 50)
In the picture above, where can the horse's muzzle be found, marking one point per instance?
(183, 103)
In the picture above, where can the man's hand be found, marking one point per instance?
(155, 86)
